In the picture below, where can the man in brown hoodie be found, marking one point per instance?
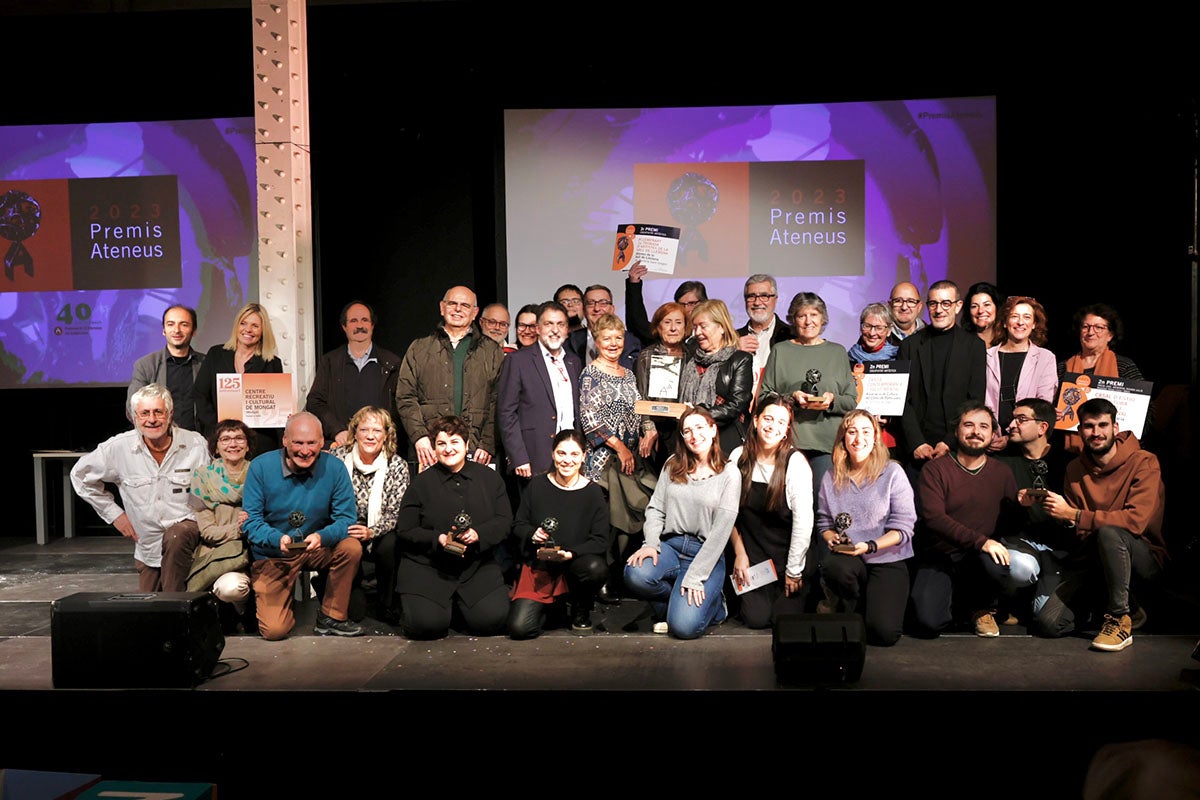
(1113, 497)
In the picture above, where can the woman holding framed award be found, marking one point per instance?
(680, 567)
(775, 518)
(562, 531)
(866, 514)
(670, 329)
(250, 348)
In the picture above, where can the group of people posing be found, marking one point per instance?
(771, 493)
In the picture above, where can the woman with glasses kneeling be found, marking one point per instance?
(680, 568)
(865, 514)
(562, 529)
(453, 516)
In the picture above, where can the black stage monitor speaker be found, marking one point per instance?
(135, 640)
(818, 648)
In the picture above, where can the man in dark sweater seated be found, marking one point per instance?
(961, 498)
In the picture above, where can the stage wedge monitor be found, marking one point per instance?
(134, 640)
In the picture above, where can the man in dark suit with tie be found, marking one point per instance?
(538, 394)
(597, 301)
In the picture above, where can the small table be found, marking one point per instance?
(41, 462)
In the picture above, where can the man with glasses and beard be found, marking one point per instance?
(1113, 500)
(764, 327)
(962, 497)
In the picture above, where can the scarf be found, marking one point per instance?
(213, 485)
(379, 470)
(861, 355)
(1106, 364)
(699, 381)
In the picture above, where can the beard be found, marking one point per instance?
(971, 449)
(1101, 449)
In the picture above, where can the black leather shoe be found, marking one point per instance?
(581, 621)
(608, 596)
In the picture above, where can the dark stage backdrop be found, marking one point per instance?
(1093, 191)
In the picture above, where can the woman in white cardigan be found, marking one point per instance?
(1019, 367)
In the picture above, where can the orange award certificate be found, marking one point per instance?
(259, 399)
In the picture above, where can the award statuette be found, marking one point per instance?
(295, 521)
(459, 525)
(1039, 469)
(811, 380)
(549, 550)
(841, 524)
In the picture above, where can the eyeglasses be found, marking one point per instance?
(598, 303)
(874, 328)
(571, 301)
(495, 323)
(152, 413)
(233, 439)
(689, 303)
(910, 302)
(454, 304)
(945, 305)
(1096, 328)
(1021, 419)
(527, 326)
(756, 297)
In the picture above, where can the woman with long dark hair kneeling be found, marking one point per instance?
(775, 521)
(562, 530)
(680, 568)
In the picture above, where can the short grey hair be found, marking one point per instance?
(808, 300)
(151, 391)
(876, 310)
(760, 278)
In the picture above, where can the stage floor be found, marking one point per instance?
(1009, 687)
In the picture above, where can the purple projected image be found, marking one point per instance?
(920, 207)
(132, 218)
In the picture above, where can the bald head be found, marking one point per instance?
(302, 441)
(459, 310)
(494, 321)
(906, 305)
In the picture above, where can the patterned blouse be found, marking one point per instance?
(395, 484)
(606, 406)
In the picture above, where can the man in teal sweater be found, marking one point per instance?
(299, 504)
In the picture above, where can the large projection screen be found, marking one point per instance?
(105, 225)
(842, 199)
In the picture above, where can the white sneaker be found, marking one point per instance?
(660, 627)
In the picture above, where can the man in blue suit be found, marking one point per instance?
(538, 394)
(597, 301)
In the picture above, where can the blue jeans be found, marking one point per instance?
(659, 583)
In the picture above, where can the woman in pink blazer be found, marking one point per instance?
(1019, 367)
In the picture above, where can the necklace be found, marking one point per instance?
(572, 484)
